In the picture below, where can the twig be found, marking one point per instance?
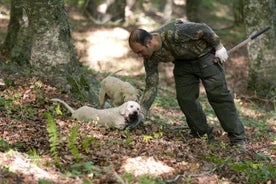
(119, 178)
(175, 179)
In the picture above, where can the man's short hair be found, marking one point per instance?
(139, 36)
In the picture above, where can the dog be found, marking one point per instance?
(126, 115)
(117, 91)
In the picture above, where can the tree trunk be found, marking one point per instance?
(262, 51)
(18, 42)
(39, 36)
(114, 11)
(238, 12)
(192, 9)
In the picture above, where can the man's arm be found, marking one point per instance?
(152, 79)
(213, 39)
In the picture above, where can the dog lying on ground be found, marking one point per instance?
(125, 116)
(117, 91)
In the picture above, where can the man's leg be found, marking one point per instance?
(187, 91)
(221, 100)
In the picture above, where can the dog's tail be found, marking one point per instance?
(113, 73)
(64, 103)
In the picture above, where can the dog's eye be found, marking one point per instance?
(131, 106)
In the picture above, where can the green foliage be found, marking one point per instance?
(33, 153)
(259, 125)
(78, 3)
(16, 111)
(57, 109)
(43, 181)
(147, 138)
(256, 172)
(87, 141)
(149, 180)
(165, 102)
(72, 139)
(52, 130)
(215, 159)
(82, 169)
(128, 142)
(8, 106)
(141, 179)
(81, 89)
(4, 145)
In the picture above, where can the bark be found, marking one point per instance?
(238, 12)
(115, 11)
(192, 9)
(17, 43)
(39, 36)
(262, 51)
(52, 50)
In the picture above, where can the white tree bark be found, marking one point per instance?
(262, 51)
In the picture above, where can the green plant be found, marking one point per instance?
(130, 178)
(4, 145)
(147, 138)
(81, 89)
(165, 102)
(33, 153)
(149, 180)
(9, 107)
(261, 172)
(57, 109)
(52, 130)
(260, 125)
(87, 141)
(72, 142)
(83, 169)
(43, 181)
(27, 112)
(128, 142)
(16, 111)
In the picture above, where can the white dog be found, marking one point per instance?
(117, 91)
(118, 117)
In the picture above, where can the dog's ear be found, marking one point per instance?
(123, 108)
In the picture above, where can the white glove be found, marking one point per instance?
(222, 54)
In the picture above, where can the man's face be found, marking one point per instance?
(141, 50)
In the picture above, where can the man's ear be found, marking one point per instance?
(149, 43)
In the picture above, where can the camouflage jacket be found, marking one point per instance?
(180, 41)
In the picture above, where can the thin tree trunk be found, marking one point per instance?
(17, 42)
(262, 51)
(192, 9)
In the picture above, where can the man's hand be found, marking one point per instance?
(222, 55)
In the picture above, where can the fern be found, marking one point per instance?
(71, 142)
(86, 143)
(52, 130)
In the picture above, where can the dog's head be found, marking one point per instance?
(130, 110)
(131, 95)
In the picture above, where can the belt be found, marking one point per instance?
(212, 51)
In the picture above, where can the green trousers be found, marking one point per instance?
(187, 76)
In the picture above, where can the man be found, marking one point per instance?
(194, 48)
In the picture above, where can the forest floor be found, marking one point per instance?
(159, 151)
